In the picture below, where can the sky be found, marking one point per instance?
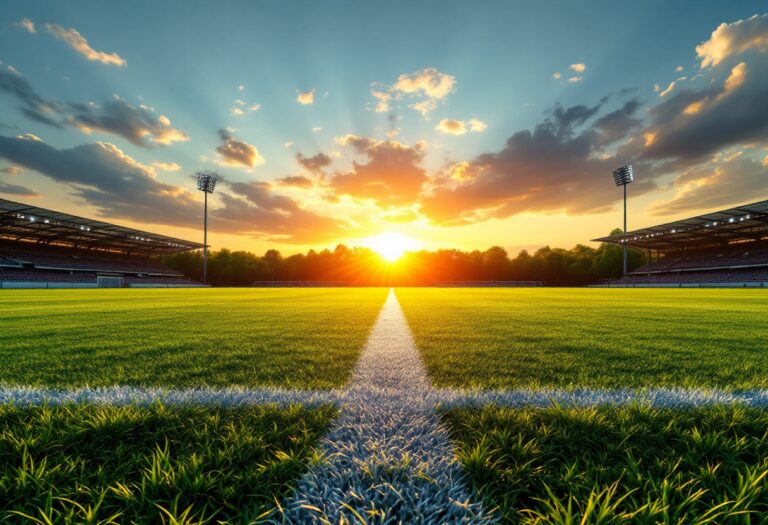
(452, 124)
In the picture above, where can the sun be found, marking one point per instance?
(391, 246)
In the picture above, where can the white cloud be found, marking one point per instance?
(578, 68)
(451, 127)
(476, 125)
(306, 98)
(166, 166)
(557, 76)
(241, 88)
(27, 25)
(575, 79)
(236, 112)
(734, 38)
(78, 42)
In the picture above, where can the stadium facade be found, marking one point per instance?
(726, 248)
(41, 248)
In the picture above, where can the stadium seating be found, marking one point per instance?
(36, 263)
(52, 257)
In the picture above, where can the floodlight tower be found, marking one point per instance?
(206, 182)
(623, 176)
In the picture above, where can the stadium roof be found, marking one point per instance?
(24, 222)
(742, 223)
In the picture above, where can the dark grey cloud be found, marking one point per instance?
(716, 185)
(33, 106)
(138, 124)
(119, 187)
(15, 189)
(315, 163)
(617, 124)
(252, 209)
(105, 177)
(235, 152)
(556, 167)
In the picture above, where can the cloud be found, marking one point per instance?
(452, 127)
(722, 183)
(27, 25)
(736, 79)
(557, 76)
(382, 100)
(425, 87)
(617, 124)
(317, 129)
(33, 106)
(12, 170)
(253, 208)
(477, 125)
(298, 181)
(306, 98)
(235, 152)
(315, 163)
(733, 39)
(78, 42)
(678, 69)
(254, 107)
(556, 167)
(392, 173)
(459, 127)
(15, 189)
(166, 166)
(241, 88)
(288, 144)
(138, 124)
(575, 79)
(30, 136)
(695, 122)
(236, 112)
(428, 82)
(105, 177)
(578, 68)
(670, 87)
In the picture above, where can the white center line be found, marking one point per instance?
(388, 459)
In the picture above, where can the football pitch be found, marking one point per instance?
(372, 395)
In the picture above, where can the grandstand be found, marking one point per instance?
(41, 248)
(727, 248)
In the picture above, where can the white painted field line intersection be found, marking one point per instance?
(388, 459)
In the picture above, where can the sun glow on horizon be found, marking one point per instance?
(392, 245)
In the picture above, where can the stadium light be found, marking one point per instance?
(206, 182)
(623, 176)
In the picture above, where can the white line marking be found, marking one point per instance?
(388, 458)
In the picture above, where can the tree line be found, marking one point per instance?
(362, 266)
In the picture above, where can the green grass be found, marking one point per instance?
(613, 338)
(617, 465)
(150, 465)
(300, 338)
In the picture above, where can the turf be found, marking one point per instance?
(617, 465)
(156, 464)
(298, 338)
(570, 338)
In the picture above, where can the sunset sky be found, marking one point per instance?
(455, 124)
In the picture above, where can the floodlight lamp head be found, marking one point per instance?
(623, 175)
(206, 181)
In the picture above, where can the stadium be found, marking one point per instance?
(42, 248)
(415, 301)
(726, 248)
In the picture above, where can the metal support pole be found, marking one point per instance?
(205, 239)
(625, 229)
